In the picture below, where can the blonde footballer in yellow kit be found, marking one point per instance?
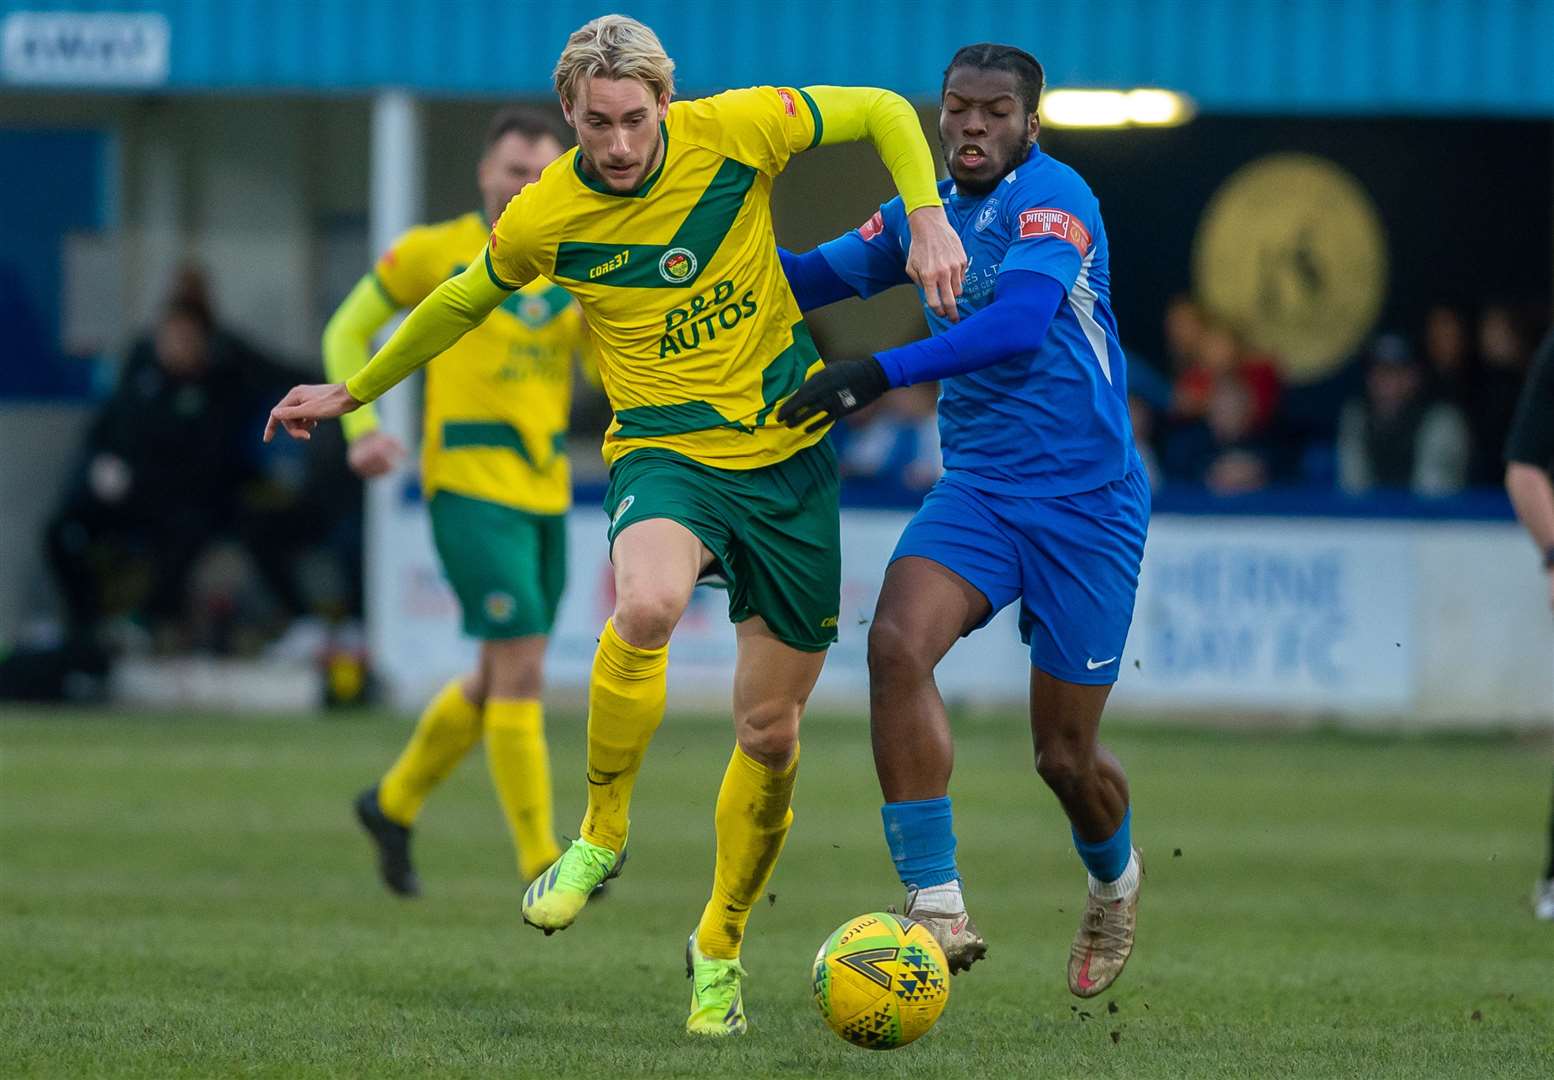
(660, 225)
(497, 484)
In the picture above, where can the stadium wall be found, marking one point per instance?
(1400, 624)
(37, 444)
(236, 185)
(1359, 56)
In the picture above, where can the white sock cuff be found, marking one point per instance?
(1123, 887)
(946, 897)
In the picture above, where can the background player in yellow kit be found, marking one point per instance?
(497, 483)
(660, 224)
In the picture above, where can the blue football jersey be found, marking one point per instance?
(1052, 422)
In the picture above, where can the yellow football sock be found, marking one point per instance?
(520, 769)
(447, 730)
(753, 817)
(625, 706)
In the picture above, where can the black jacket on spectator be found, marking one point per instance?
(177, 436)
(170, 463)
(1389, 444)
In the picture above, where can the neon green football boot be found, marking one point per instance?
(554, 899)
(717, 1002)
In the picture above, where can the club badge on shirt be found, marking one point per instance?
(987, 215)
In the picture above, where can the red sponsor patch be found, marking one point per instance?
(873, 227)
(789, 106)
(389, 259)
(1049, 221)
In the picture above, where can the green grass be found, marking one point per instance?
(189, 897)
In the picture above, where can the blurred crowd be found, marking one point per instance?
(1425, 412)
(177, 529)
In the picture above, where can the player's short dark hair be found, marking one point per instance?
(986, 56)
(530, 123)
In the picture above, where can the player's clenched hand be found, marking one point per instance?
(936, 260)
(374, 454)
(834, 391)
(300, 410)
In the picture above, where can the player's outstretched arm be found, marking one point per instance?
(299, 412)
(1528, 451)
(812, 280)
(936, 261)
(1532, 494)
(347, 348)
(454, 308)
(1014, 324)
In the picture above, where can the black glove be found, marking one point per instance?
(842, 387)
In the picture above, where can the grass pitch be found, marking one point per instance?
(191, 897)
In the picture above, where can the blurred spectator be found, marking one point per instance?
(299, 505)
(1222, 354)
(156, 472)
(1223, 406)
(1448, 356)
(168, 466)
(1503, 354)
(1142, 415)
(1183, 333)
(1149, 397)
(1224, 451)
(897, 440)
(1397, 436)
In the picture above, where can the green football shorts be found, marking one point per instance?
(507, 567)
(774, 531)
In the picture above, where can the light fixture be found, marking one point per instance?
(1144, 107)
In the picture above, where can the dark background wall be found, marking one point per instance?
(1466, 205)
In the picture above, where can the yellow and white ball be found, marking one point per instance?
(881, 981)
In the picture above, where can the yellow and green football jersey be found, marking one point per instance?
(497, 402)
(697, 334)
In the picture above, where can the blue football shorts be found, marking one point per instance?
(1071, 560)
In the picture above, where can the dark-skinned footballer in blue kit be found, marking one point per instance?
(1043, 500)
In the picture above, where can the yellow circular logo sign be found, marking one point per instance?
(1291, 249)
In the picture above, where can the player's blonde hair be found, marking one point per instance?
(614, 47)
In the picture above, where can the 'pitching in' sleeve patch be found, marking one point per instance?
(1049, 221)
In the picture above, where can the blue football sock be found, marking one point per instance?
(921, 837)
(1107, 859)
